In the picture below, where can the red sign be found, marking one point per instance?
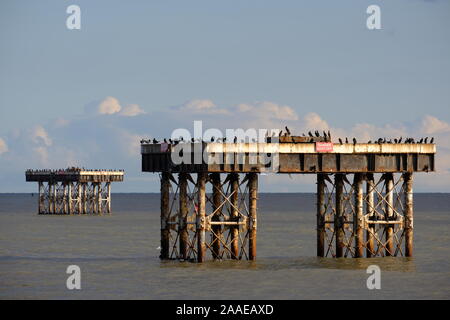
(324, 146)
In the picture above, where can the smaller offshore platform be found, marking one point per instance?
(74, 190)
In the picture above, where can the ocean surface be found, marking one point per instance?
(118, 256)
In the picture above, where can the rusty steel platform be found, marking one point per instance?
(67, 175)
(292, 158)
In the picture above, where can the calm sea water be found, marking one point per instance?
(118, 256)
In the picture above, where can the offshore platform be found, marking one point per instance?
(364, 193)
(74, 190)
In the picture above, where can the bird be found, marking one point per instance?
(395, 140)
(421, 140)
(400, 140)
(165, 140)
(340, 140)
(235, 139)
(224, 139)
(212, 139)
(171, 141)
(310, 134)
(346, 140)
(370, 141)
(155, 141)
(280, 133)
(192, 140)
(354, 141)
(317, 134)
(432, 140)
(287, 131)
(426, 140)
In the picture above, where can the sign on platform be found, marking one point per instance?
(324, 146)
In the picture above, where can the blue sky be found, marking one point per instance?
(162, 62)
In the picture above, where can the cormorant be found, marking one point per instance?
(287, 131)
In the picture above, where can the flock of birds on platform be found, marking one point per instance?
(326, 136)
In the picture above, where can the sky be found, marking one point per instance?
(140, 69)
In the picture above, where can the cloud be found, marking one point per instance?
(3, 146)
(201, 106)
(109, 105)
(40, 135)
(131, 110)
(90, 140)
(432, 125)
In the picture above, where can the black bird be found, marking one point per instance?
(346, 140)
(380, 141)
(370, 141)
(280, 133)
(329, 135)
(224, 139)
(310, 134)
(155, 141)
(395, 140)
(426, 140)
(317, 134)
(421, 140)
(171, 141)
(192, 140)
(287, 131)
(354, 141)
(235, 139)
(212, 139)
(165, 140)
(181, 138)
(432, 140)
(400, 140)
(340, 140)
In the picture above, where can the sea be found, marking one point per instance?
(118, 255)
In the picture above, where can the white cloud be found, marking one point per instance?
(3, 146)
(40, 135)
(109, 105)
(432, 125)
(202, 106)
(131, 110)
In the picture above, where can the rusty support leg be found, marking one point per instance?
(338, 227)
(201, 217)
(358, 219)
(409, 214)
(165, 235)
(253, 196)
(370, 185)
(234, 182)
(40, 196)
(70, 197)
(320, 215)
(217, 204)
(84, 198)
(108, 203)
(182, 218)
(389, 178)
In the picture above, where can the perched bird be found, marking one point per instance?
(432, 140)
(287, 131)
(421, 140)
(155, 141)
(165, 140)
(212, 139)
(280, 133)
(317, 134)
(224, 139)
(192, 140)
(310, 134)
(395, 140)
(235, 139)
(171, 141)
(346, 140)
(370, 141)
(354, 141)
(400, 140)
(426, 140)
(340, 140)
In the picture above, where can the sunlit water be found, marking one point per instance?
(118, 256)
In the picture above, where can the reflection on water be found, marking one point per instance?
(118, 256)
